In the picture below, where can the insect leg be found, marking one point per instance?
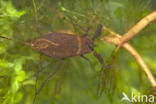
(41, 70)
(98, 32)
(88, 61)
(37, 76)
(105, 76)
(86, 32)
(47, 79)
(100, 59)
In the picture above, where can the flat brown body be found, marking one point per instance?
(62, 45)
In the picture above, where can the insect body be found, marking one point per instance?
(62, 45)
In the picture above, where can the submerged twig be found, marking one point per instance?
(116, 39)
(137, 28)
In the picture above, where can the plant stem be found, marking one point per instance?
(116, 39)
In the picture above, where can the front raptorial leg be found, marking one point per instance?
(88, 61)
(100, 59)
(47, 79)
